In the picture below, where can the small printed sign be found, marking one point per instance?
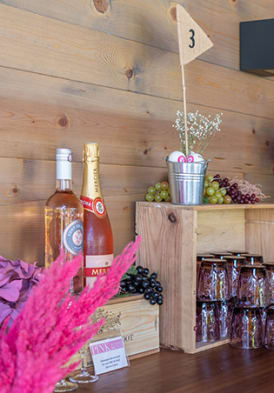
(108, 355)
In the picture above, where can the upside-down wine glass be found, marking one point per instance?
(213, 282)
(246, 328)
(252, 282)
(269, 331)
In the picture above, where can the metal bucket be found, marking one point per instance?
(186, 182)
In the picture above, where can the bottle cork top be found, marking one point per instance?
(63, 154)
(63, 164)
(91, 151)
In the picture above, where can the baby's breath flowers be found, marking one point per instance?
(201, 129)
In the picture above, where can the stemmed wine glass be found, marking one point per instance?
(65, 386)
(84, 376)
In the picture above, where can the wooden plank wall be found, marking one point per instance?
(108, 71)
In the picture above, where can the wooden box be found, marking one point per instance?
(172, 235)
(136, 320)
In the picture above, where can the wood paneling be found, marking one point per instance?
(152, 22)
(141, 135)
(22, 231)
(77, 53)
(27, 180)
(65, 80)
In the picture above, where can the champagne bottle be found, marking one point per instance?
(64, 218)
(98, 238)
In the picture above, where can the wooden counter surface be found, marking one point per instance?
(220, 370)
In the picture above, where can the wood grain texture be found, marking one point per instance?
(153, 22)
(139, 325)
(27, 180)
(214, 230)
(222, 370)
(76, 53)
(168, 247)
(260, 232)
(22, 232)
(131, 129)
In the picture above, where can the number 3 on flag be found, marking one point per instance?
(193, 41)
(192, 38)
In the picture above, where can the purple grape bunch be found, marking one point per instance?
(233, 191)
(140, 281)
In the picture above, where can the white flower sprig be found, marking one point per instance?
(201, 129)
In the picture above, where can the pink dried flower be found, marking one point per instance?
(53, 325)
(247, 188)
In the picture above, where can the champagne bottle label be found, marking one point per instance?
(95, 206)
(73, 237)
(96, 265)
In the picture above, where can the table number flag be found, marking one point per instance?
(193, 41)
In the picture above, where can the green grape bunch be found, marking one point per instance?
(224, 190)
(160, 192)
(215, 191)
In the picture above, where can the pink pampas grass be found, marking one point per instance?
(53, 325)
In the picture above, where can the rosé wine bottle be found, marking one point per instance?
(63, 218)
(98, 238)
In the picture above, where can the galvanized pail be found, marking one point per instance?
(186, 181)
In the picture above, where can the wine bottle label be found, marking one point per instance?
(73, 237)
(96, 265)
(95, 206)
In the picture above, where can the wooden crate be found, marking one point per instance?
(172, 235)
(137, 321)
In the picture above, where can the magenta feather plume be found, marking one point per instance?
(53, 325)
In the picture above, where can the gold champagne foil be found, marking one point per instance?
(91, 184)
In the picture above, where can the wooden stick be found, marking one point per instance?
(185, 112)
